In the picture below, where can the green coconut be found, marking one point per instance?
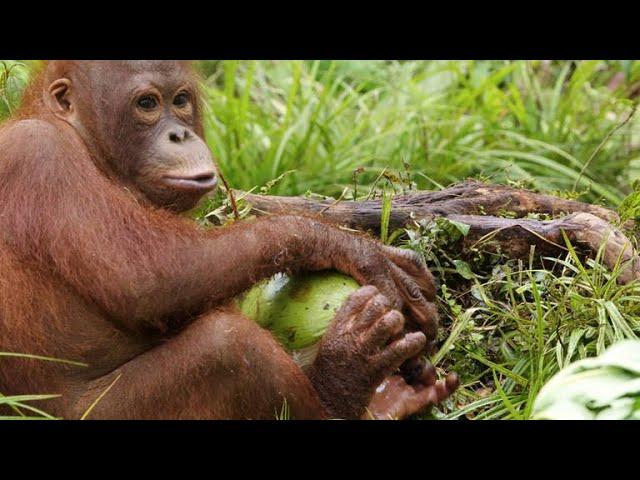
(297, 310)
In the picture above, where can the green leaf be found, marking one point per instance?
(605, 387)
(463, 228)
(464, 270)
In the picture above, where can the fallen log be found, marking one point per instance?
(478, 205)
(467, 198)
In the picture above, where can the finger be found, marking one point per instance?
(420, 400)
(427, 397)
(445, 387)
(442, 392)
(423, 313)
(427, 376)
(412, 263)
(395, 354)
(357, 300)
(453, 382)
(384, 283)
(387, 327)
(412, 368)
(376, 307)
(387, 286)
(418, 372)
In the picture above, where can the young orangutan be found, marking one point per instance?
(97, 267)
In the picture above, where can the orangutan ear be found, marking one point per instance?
(59, 98)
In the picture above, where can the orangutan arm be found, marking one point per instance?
(147, 267)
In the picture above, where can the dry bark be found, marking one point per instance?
(478, 205)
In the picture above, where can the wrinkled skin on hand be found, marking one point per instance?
(399, 274)
(365, 344)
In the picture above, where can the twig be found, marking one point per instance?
(230, 196)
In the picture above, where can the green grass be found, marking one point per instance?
(337, 128)
(510, 325)
(529, 121)
(21, 406)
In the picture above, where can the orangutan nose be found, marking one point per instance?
(179, 136)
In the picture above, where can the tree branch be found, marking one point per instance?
(478, 205)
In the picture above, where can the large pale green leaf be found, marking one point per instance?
(606, 387)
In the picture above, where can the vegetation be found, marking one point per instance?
(353, 129)
(605, 387)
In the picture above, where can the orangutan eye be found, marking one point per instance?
(148, 102)
(181, 99)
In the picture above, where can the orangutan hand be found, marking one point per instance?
(399, 274)
(396, 399)
(363, 345)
